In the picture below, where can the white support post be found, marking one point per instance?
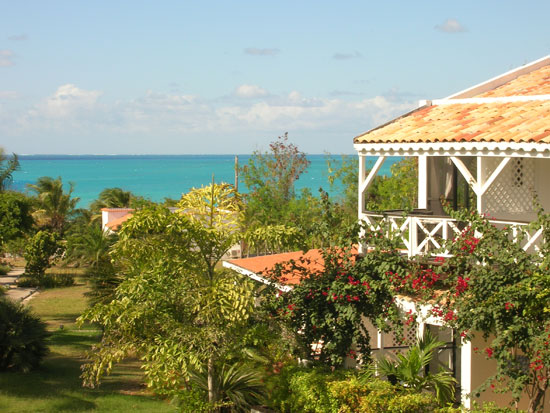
(380, 343)
(413, 236)
(480, 184)
(362, 176)
(423, 182)
(466, 373)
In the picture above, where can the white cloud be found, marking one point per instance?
(8, 94)
(18, 37)
(451, 26)
(69, 99)
(6, 58)
(75, 120)
(261, 52)
(347, 56)
(250, 91)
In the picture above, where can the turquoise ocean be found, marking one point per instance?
(156, 176)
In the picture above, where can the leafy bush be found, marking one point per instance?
(303, 389)
(4, 269)
(41, 247)
(47, 281)
(22, 337)
(323, 391)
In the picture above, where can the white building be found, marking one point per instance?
(492, 139)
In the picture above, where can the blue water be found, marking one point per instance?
(154, 176)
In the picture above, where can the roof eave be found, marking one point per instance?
(489, 149)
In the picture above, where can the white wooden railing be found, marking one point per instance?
(423, 234)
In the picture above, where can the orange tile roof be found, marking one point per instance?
(116, 209)
(536, 82)
(468, 122)
(263, 264)
(116, 223)
(502, 114)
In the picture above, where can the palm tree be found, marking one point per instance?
(7, 167)
(408, 370)
(113, 198)
(237, 387)
(89, 245)
(54, 205)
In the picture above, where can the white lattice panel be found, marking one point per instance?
(512, 191)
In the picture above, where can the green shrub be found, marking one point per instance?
(47, 281)
(22, 337)
(303, 389)
(3, 290)
(4, 269)
(343, 391)
(413, 403)
(38, 252)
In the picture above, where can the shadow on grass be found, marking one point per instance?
(79, 340)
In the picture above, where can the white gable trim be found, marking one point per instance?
(502, 99)
(255, 276)
(501, 79)
(490, 149)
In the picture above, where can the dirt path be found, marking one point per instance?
(14, 292)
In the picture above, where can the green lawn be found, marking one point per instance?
(56, 386)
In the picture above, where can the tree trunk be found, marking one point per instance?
(535, 400)
(212, 393)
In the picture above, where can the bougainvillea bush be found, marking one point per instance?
(332, 301)
(490, 286)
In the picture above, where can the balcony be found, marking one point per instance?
(422, 233)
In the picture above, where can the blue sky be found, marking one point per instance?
(175, 77)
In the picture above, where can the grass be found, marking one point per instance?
(56, 386)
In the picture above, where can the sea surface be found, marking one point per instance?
(157, 176)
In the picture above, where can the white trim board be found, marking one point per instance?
(500, 80)
(486, 149)
(254, 276)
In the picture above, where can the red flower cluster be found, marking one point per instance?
(421, 281)
(353, 281)
(469, 239)
(508, 306)
(489, 352)
(450, 316)
(461, 285)
(410, 319)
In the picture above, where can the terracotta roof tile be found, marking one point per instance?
(519, 121)
(536, 82)
(264, 263)
(116, 223)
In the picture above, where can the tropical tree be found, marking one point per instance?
(89, 246)
(409, 370)
(175, 308)
(112, 198)
(7, 167)
(39, 252)
(15, 216)
(270, 179)
(55, 205)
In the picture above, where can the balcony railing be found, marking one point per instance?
(424, 234)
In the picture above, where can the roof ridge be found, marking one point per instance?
(498, 99)
(501, 79)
